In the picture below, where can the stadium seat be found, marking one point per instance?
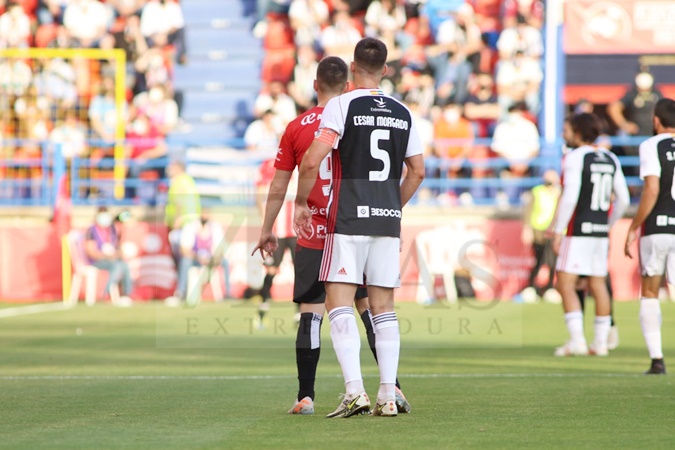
(83, 271)
(278, 65)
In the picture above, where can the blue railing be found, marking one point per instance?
(35, 181)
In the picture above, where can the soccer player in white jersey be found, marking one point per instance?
(655, 218)
(591, 174)
(371, 137)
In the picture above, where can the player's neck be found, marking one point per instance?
(362, 82)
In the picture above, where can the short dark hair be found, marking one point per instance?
(370, 54)
(586, 125)
(665, 111)
(332, 74)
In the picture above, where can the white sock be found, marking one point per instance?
(602, 326)
(575, 325)
(347, 345)
(650, 321)
(388, 346)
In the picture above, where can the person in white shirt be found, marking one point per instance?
(14, 27)
(162, 23)
(87, 23)
(263, 134)
(276, 99)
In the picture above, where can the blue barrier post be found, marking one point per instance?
(58, 172)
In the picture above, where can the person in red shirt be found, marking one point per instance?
(145, 146)
(308, 292)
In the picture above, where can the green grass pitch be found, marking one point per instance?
(148, 377)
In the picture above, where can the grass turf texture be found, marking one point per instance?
(461, 397)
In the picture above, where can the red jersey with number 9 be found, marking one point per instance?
(294, 143)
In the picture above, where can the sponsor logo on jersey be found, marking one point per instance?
(590, 228)
(385, 212)
(318, 211)
(310, 118)
(362, 212)
(380, 102)
(664, 221)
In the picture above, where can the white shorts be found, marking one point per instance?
(346, 259)
(657, 255)
(583, 256)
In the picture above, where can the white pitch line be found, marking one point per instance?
(288, 377)
(33, 309)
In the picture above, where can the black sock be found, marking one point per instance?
(306, 357)
(582, 299)
(266, 290)
(370, 334)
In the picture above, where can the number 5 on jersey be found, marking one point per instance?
(376, 152)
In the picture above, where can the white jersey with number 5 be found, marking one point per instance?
(375, 135)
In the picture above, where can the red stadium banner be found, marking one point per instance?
(619, 27)
(434, 250)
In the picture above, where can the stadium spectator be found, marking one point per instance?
(435, 12)
(204, 247)
(87, 23)
(102, 247)
(161, 109)
(453, 136)
(51, 11)
(71, 135)
(633, 113)
(263, 134)
(57, 82)
(15, 77)
(300, 87)
(162, 23)
(307, 18)
(151, 69)
(516, 139)
(131, 40)
(540, 205)
(276, 100)
(417, 87)
(386, 19)
(103, 111)
(531, 10)
(146, 147)
(14, 27)
(522, 37)
(183, 207)
(340, 37)
(127, 8)
(482, 107)
(519, 79)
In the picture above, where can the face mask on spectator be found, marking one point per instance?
(103, 219)
(451, 115)
(644, 81)
(140, 127)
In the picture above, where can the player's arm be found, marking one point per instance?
(621, 197)
(414, 161)
(650, 172)
(413, 177)
(275, 198)
(568, 199)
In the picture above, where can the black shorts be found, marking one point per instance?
(308, 288)
(278, 255)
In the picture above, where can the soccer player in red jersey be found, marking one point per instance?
(309, 292)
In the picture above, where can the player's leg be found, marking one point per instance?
(574, 318)
(654, 257)
(309, 295)
(613, 338)
(271, 270)
(342, 271)
(363, 309)
(581, 288)
(382, 271)
(598, 287)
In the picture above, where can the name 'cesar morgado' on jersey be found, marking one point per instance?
(377, 134)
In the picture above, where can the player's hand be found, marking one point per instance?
(267, 245)
(302, 223)
(630, 239)
(630, 127)
(557, 240)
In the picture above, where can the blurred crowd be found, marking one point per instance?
(467, 69)
(72, 101)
